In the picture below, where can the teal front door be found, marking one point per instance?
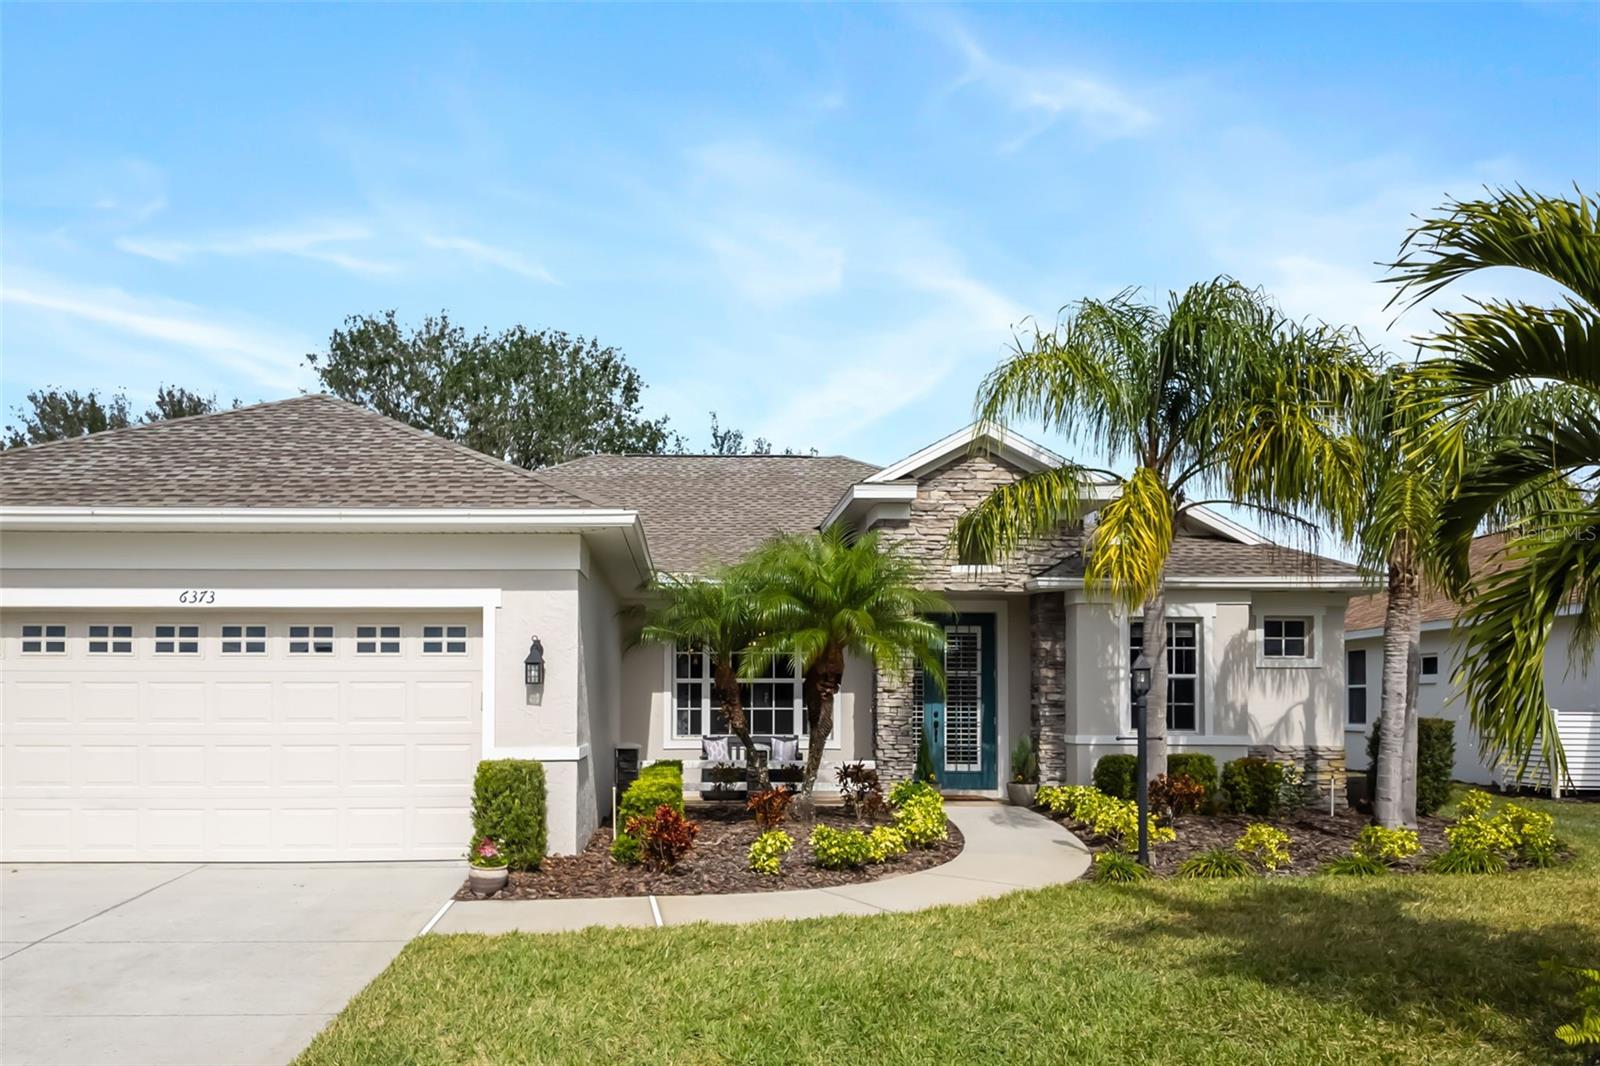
(960, 717)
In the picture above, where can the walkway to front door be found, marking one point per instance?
(959, 719)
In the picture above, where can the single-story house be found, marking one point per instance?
(1572, 681)
(289, 632)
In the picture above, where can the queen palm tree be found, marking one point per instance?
(822, 597)
(715, 615)
(1533, 373)
(1215, 398)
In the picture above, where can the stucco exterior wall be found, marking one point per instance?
(1571, 682)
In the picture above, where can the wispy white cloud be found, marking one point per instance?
(321, 242)
(488, 255)
(270, 358)
(1045, 95)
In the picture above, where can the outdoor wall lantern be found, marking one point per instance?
(533, 665)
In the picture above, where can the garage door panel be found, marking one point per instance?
(238, 757)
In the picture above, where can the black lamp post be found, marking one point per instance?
(1140, 680)
(533, 665)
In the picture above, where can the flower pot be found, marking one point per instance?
(1021, 795)
(487, 880)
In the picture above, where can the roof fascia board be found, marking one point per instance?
(1014, 446)
(1332, 581)
(871, 492)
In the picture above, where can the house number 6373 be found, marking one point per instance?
(196, 597)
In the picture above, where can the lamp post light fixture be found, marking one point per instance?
(533, 665)
(1139, 678)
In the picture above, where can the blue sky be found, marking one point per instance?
(821, 222)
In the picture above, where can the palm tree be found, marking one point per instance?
(1533, 373)
(714, 615)
(1216, 398)
(822, 597)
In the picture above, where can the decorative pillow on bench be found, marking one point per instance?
(785, 750)
(715, 749)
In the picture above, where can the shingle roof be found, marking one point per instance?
(308, 451)
(1213, 557)
(707, 510)
(1485, 556)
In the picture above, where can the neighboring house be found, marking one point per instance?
(1572, 684)
(290, 631)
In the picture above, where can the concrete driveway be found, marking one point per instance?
(206, 964)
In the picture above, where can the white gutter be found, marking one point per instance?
(869, 492)
(1336, 582)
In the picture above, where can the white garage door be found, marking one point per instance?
(249, 737)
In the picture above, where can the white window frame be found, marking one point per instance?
(44, 638)
(1198, 676)
(1423, 676)
(176, 638)
(677, 739)
(111, 638)
(1312, 653)
(244, 638)
(313, 638)
(446, 639)
(383, 644)
(1365, 685)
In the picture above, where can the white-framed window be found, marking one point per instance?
(1430, 669)
(177, 640)
(444, 640)
(44, 638)
(378, 640)
(310, 640)
(1183, 672)
(107, 639)
(244, 639)
(1286, 638)
(772, 702)
(1355, 680)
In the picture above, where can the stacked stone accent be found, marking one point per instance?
(1324, 768)
(1047, 638)
(896, 724)
(943, 496)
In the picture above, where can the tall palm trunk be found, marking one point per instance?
(726, 681)
(820, 685)
(1155, 650)
(1397, 731)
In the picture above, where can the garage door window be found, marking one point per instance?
(377, 640)
(244, 640)
(44, 639)
(444, 640)
(310, 640)
(110, 640)
(177, 640)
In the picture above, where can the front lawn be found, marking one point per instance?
(1270, 970)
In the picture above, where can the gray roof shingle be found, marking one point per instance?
(1213, 557)
(701, 511)
(308, 451)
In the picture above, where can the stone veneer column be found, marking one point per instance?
(1323, 767)
(1047, 688)
(896, 725)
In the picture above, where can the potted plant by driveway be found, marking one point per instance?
(486, 872)
(1024, 783)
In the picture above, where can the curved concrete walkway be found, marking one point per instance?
(1007, 848)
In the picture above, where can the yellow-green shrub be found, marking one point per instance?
(1265, 844)
(840, 849)
(1478, 838)
(1388, 846)
(886, 842)
(920, 819)
(768, 849)
(1106, 816)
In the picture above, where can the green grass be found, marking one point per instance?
(1436, 968)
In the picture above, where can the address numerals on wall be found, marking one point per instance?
(197, 597)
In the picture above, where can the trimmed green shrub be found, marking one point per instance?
(1114, 775)
(1118, 867)
(901, 791)
(1197, 767)
(1254, 786)
(767, 852)
(626, 850)
(657, 784)
(1436, 760)
(840, 849)
(1215, 864)
(508, 806)
(1354, 866)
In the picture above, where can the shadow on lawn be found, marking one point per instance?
(1376, 951)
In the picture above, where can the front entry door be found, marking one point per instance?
(960, 718)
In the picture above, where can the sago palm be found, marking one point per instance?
(823, 597)
(714, 615)
(1217, 398)
(1533, 373)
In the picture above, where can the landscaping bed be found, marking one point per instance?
(717, 864)
(1315, 838)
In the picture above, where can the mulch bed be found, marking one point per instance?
(716, 864)
(1315, 837)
